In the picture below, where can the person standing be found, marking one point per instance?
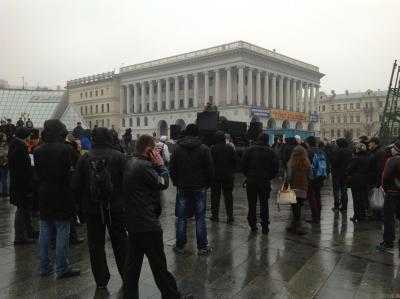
(162, 147)
(20, 123)
(53, 164)
(357, 178)
(9, 130)
(98, 185)
(225, 160)
(78, 131)
(340, 159)
(29, 124)
(298, 173)
(144, 178)
(391, 207)
(259, 165)
(192, 172)
(127, 143)
(3, 165)
(21, 177)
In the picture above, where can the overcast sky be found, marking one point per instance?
(353, 42)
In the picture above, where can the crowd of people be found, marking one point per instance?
(93, 177)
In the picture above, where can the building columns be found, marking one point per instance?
(280, 92)
(258, 88)
(195, 90)
(241, 85)
(317, 97)
(151, 95)
(266, 91)
(176, 86)
(143, 101)
(273, 92)
(167, 95)
(249, 87)
(293, 95)
(217, 85)
(312, 99)
(300, 98)
(159, 93)
(287, 95)
(122, 99)
(186, 91)
(206, 88)
(228, 86)
(306, 98)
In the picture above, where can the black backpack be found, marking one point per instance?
(100, 183)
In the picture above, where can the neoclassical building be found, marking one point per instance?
(246, 83)
(97, 99)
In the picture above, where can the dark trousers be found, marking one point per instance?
(23, 224)
(314, 197)
(260, 191)
(226, 186)
(149, 244)
(360, 202)
(296, 210)
(96, 241)
(339, 192)
(391, 207)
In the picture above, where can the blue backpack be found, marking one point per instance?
(319, 165)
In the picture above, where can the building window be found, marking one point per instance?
(97, 122)
(147, 107)
(86, 94)
(91, 109)
(131, 122)
(155, 106)
(96, 93)
(323, 107)
(138, 121)
(102, 108)
(380, 104)
(351, 119)
(332, 107)
(338, 119)
(181, 105)
(163, 106)
(85, 110)
(123, 122)
(97, 108)
(81, 95)
(108, 107)
(146, 121)
(351, 106)
(90, 94)
(190, 102)
(81, 110)
(338, 133)
(357, 105)
(101, 92)
(172, 105)
(357, 118)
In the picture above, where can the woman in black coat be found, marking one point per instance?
(357, 178)
(21, 185)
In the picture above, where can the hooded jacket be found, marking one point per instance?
(357, 171)
(224, 158)
(191, 166)
(53, 165)
(340, 158)
(260, 164)
(391, 176)
(376, 165)
(102, 148)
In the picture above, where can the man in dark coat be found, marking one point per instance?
(21, 191)
(376, 162)
(260, 165)
(127, 143)
(192, 172)
(102, 212)
(78, 131)
(144, 178)
(9, 130)
(53, 164)
(224, 158)
(339, 159)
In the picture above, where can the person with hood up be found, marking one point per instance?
(191, 170)
(127, 143)
(225, 160)
(102, 202)
(3, 165)
(340, 159)
(53, 164)
(21, 191)
(259, 165)
(357, 178)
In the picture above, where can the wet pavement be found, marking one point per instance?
(336, 259)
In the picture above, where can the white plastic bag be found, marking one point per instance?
(376, 198)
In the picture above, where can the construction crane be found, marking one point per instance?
(390, 123)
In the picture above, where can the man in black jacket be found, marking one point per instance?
(376, 162)
(53, 164)
(260, 165)
(102, 207)
(21, 191)
(224, 158)
(144, 178)
(192, 172)
(340, 159)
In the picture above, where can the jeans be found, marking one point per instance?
(339, 192)
(149, 244)
(360, 202)
(62, 246)
(260, 191)
(314, 197)
(4, 180)
(391, 207)
(227, 188)
(96, 241)
(196, 200)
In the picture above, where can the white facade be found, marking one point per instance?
(238, 78)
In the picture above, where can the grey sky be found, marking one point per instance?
(354, 42)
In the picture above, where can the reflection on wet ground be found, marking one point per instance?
(334, 260)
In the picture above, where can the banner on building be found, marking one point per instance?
(260, 112)
(288, 115)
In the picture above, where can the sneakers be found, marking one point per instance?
(70, 273)
(383, 246)
(205, 251)
(179, 250)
